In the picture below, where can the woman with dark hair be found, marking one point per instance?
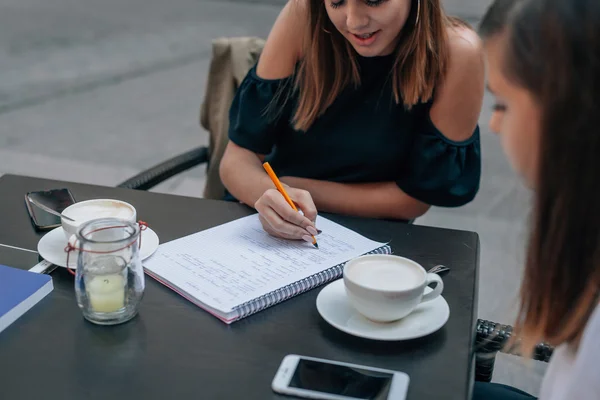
(543, 59)
(362, 107)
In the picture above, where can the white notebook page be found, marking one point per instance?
(231, 264)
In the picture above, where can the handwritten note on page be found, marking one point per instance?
(231, 264)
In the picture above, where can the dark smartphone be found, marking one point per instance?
(55, 199)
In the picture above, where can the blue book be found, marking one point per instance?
(19, 291)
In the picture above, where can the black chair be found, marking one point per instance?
(151, 177)
(492, 338)
(232, 58)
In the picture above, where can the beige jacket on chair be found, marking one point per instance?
(231, 60)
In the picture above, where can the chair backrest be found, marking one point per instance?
(231, 60)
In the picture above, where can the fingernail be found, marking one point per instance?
(312, 230)
(307, 238)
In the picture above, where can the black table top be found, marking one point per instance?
(173, 349)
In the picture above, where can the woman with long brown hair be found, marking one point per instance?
(362, 107)
(543, 59)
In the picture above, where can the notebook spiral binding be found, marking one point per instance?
(296, 288)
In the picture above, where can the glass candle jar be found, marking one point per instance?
(109, 281)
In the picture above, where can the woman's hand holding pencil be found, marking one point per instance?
(279, 214)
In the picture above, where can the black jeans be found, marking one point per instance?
(496, 391)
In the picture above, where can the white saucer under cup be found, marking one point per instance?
(52, 247)
(335, 308)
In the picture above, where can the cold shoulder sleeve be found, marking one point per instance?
(254, 119)
(439, 171)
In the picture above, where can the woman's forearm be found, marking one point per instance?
(242, 173)
(373, 200)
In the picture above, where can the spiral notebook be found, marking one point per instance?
(236, 269)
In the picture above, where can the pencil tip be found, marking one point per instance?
(316, 245)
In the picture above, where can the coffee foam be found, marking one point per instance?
(99, 210)
(386, 275)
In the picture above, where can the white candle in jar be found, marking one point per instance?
(106, 293)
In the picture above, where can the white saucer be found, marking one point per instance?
(336, 309)
(52, 247)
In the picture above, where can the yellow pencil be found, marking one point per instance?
(281, 190)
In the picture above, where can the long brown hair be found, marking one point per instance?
(552, 51)
(329, 62)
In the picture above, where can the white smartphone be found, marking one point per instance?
(316, 378)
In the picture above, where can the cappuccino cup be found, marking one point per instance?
(85, 211)
(386, 288)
